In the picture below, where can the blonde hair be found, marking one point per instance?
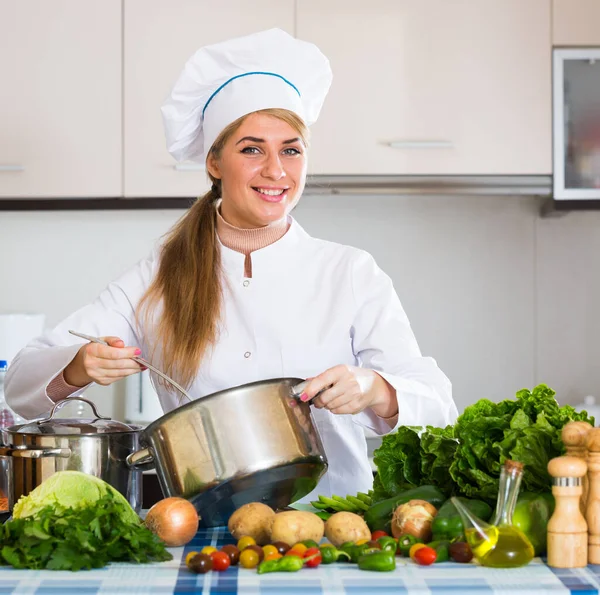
(188, 285)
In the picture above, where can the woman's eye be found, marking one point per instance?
(250, 150)
(292, 151)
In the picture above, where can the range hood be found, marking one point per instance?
(431, 185)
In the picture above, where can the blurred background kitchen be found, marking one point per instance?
(460, 145)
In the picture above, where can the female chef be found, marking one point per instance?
(237, 291)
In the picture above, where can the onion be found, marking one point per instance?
(414, 518)
(173, 520)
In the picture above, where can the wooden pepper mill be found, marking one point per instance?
(567, 528)
(574, 438)
(593, 505)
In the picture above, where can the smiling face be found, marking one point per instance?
(262, 168)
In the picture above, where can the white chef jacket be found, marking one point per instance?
(310, 305)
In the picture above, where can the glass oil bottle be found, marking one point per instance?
(499, 544)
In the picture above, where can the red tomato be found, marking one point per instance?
(220, 560)
(425, 556)
(377, 534)
(315, 554)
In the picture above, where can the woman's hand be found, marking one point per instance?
(350, 389)
(102, 364)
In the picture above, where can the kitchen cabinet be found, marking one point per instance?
(575, 22)
(576, 124)
(60, 105)
(432, 87)
(159, 38)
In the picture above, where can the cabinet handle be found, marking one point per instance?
(11, 168)
(421, 144)
(189, 167)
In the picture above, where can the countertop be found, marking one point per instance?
(334, 579)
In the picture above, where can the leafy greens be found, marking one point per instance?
(65, 538)
(466, 458)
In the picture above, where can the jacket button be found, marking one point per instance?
(247, 354)
(246, 283)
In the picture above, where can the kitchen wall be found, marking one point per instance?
(500, 297)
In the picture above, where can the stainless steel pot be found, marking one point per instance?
(252, 443)
(99, 446)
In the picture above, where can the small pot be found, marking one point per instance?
(251, 443)
(99, 446)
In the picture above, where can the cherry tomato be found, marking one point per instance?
(299, 549)
(425, 556)
(269, 549)
(189, 557)
(245, 541)
(362, 541)
(377, 534)
(273, 556)
(220, 561)
(232, 552)
(200, 563)
(415, 548)
(315, 554)
(248, 558)
(208, 550)
(461, 552)
(258, 550)
(282, 547)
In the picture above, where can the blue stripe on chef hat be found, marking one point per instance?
(249, 74)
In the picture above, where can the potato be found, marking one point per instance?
(253, 519)
(293, 526)
(346, 526)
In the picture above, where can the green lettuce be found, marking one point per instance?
(527, 430)
(466, 459)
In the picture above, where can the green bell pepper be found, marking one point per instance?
(442, 549)
(531, 515)
(405, 542)
(388, 544)
(448, 524)
(380, 561)
(330, 554)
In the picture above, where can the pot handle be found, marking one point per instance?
(140, 460)
(298, 389)
(60, 404)
(34, 453)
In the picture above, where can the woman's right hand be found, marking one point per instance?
(103, 364)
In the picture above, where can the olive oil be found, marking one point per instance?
(499, 544)
(500, 547)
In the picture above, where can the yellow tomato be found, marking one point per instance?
(269, 549)
(189, 557)
(208, 550)
(249, 559)
(245, 541)
(362, 541)
(273, 556)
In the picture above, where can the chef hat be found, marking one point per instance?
(225, 81)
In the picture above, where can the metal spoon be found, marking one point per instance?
(139, 360)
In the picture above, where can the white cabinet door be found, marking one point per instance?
(60, 98)
(159, 38)
(576, 22)
(432, 86)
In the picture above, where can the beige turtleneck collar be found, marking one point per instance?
(247, 241)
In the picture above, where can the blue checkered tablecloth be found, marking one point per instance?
(336, 579)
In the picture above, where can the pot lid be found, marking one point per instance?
(53, 425)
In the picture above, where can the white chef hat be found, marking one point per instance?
(225, 81)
